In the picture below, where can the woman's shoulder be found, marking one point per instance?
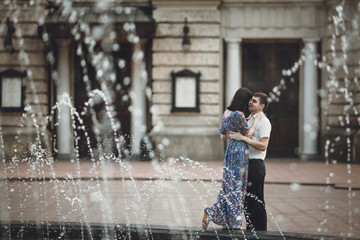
(239, 113)
(233, 114)
(227, 113)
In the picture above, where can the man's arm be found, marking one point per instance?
(259, 145)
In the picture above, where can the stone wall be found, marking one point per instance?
(196, 133)
(29, 56)
(341, 104)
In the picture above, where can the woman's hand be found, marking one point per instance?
(224, 137)
(260, 116)
(236, 136)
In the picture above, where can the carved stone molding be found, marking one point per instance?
(273, 20)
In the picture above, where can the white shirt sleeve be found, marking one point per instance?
(264, 128)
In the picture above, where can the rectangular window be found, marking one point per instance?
(185, 92)
(12, 89)
(11, 93)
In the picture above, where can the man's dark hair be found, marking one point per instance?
(241, 100)
(263, 98)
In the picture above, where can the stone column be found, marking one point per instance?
(138, 100)
(310, 102)
(64, 139)
(233, 68)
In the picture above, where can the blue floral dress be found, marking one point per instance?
(230, 201)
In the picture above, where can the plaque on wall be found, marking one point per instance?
(185, 91)
(12, 89)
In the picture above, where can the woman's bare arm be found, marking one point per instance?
(253, 126)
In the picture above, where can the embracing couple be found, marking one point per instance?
(244, 170)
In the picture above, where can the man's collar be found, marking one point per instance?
(253, 116)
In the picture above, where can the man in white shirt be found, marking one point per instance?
(255, 212)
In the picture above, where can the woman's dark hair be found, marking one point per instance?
(241, 100)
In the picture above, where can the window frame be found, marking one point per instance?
(185, 73)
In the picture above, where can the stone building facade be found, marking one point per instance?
(17, 131)
(340, 121)
(192, 134)
(304, 54)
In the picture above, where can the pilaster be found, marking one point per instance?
(233, 68)
(64, 133)
(310, 115)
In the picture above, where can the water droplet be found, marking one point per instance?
(128, 10)
(126, 81)
(98, 32)
(115, 47)
(307, 128)
(295, 187)
(99, 73)
(121, 63)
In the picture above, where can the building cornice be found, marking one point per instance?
(234, 3)
(272, 1)
(187, 3)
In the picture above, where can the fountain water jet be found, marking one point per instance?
(41, 156)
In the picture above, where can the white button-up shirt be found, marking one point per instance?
(262, 130)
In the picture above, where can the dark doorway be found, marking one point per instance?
(262, 71)
(119, 94)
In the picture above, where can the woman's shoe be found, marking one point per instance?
(205, 220)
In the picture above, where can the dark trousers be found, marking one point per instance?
(255, 212)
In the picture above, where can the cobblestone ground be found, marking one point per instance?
(176, 195)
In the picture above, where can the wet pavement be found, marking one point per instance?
(301, 197)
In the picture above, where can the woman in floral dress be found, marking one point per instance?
(230, 201)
